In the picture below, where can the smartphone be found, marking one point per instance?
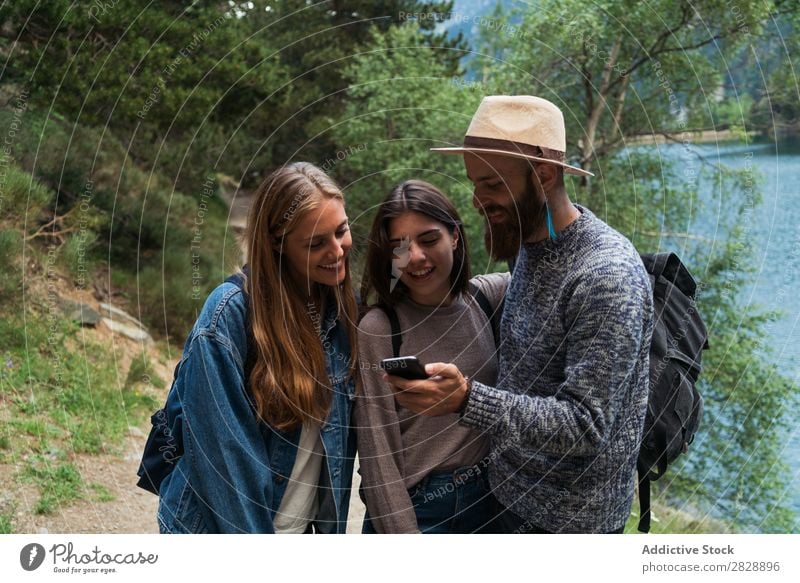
(407, 367)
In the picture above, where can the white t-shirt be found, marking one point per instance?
(300, 503)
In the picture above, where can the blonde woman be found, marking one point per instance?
(263, 393)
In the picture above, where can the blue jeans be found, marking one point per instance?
(452, 502)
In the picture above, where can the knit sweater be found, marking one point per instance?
(567, 414)
(396, 447)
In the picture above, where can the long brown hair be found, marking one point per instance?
(289, 381)
(423, 198)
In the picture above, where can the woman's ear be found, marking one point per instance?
(455, 239)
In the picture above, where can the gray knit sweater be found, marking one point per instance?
(567, 413)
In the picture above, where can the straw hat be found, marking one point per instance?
(520, 126)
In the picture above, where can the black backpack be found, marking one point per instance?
(674, 407)
(164, 446)
(492, 314)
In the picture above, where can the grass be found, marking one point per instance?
(55, 391)
(59, 483)
(57, 401)
(668, 520)
(61, 393)
(6, 523)
(133, 226)
(101, 493)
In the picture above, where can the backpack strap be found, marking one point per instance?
(394, 323)
(492, 314)
(644, 498)
(238, 279)
(670, 267)
(482, 300)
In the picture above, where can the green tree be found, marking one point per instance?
(776, 111)
(138, 107)
(175, 75)
(163, 65)
(402, 100)
(318, 42)
(201, 86)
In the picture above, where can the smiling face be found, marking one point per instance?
(316, 249)
(504, 194)
(424, 254)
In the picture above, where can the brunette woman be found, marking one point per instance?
(423, 474)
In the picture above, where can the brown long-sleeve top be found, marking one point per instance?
(396, 447)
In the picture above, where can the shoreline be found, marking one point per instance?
(693, 137)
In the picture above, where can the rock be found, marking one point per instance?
(81, 313)
(114, 313)
(123, 323)
(129, 331)
(43, 531)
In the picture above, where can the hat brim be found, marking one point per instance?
(567, 168)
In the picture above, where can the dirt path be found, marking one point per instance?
(131, 509)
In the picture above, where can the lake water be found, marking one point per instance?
(773, 235)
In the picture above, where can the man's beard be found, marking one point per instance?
(522, 219)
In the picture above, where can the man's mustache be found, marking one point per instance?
(488, 210)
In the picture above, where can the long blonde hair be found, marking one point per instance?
(289, 381)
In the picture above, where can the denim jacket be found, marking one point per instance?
(234, 470)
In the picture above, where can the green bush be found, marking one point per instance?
(22, 199)
(142, 371)
(10, 247)
(77, 255)
(126, 215)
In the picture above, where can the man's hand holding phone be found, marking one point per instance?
(443, 392)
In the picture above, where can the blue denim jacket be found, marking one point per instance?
(234, 470)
